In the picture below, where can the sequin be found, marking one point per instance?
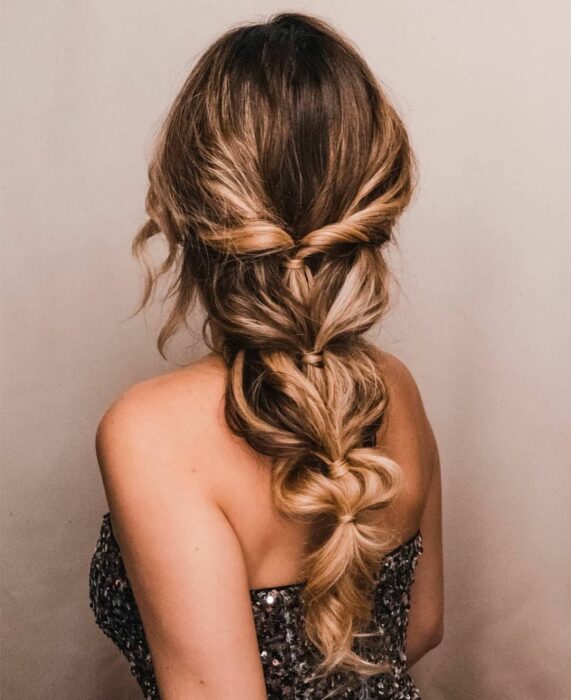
(285, 654)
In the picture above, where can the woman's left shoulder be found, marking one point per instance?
(154, 421)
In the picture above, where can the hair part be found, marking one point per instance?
(276, 179)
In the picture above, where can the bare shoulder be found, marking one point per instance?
(406, 411)
(193, 383)
(180, 551)
(400, 378)
(412, 438)
(153, 420)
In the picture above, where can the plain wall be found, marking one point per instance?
(482, 320)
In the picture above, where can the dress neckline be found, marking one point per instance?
(301, 584)
(372, 442)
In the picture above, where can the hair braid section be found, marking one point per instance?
(276, 180)
(315, 428)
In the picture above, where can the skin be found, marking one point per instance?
(191, 509)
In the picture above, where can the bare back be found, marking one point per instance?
(198, 445)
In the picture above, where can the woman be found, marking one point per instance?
(269, 503)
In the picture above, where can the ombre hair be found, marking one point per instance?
(276, 179)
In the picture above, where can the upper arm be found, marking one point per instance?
(427, 591)
(183, 560)
(426, 619)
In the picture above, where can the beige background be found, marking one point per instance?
(483, 320)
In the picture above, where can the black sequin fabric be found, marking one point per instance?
(286, 656)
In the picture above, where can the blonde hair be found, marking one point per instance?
(277, 178)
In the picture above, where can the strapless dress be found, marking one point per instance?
(286, 656)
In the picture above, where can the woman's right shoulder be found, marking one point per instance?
(398, 374)
(412, 441)
(402, 386)
(407, 413)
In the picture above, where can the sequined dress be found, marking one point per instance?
(285, 655)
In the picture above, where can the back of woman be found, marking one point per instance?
(270, 503)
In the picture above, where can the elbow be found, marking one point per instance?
(436, 634)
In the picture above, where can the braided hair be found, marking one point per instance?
(276, 179)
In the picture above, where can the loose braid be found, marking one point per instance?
(277, 179)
